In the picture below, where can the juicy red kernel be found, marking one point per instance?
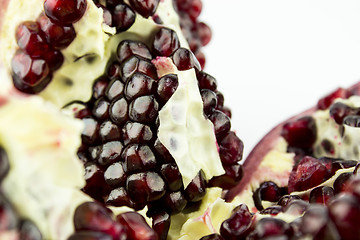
(99, 87)
(296, 207)
(167, 85)
(233, 175)
(200, 56)
(54, 59)
(196, 189)
(270, 227)
(338, 111)
(161, 224)
(144, 109)
(206, 81)
(95, 186)
(272, 210)
(172, 176)
(137, 64)
(221, 123)
(28, 230)
(326, 101)
(300, 133)
(123, 17)
(321, 195)
(209, 100)
(138, 157)
(109, 131)
(134, 132)
(128, 48)
(166, 42)
(58, 36)
(115, 174)
(101, 109)
(175, 202)
(340, 183)
(139, 85)
(310, 172)
(90, 133)
(286, 199)
(107, 16)
(315, 222)
(204, 33)
(353, 187)
(8, 216)
(190, 7)
(184, 59)
(29, 75)
(119, 197)
(64, 12)
(237, 225)
(146, 8)
(119, 111)
(31, 39)
(136, 226)
(231, 149)
(115, 89)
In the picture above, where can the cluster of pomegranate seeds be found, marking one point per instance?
(40, 43)
(326, 101)
(94, 221)
(198, 34)
(9, 218)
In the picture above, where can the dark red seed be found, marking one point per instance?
(99, 87)
(119, 197)
(231, 149)
(4, 164)
(321, 195)
(172, 176)
(138, 158)
(64, 12)
(357, 170)
(213, 236)
(109, 131)
(196, 189)
(143, 109)
(285, 200)
(54, 59)
(115, 174)
(134, 132)
(270, 227)
(326, 101)
(29, 75)
(31, 39)
(139, 85)
(8, 217)
(146, 8)
(300, 133)
(184, 59)
(206, 81)
(58, 36)
(209, 100)
(200, 56)
(174, 202)
(233, 175)
(227, 111)
(341, 182)
(114, 90)
(101, 109)
(128, 48)
(204, 32)
(119, 111)
(113, 71)
(113, 3)
(221, 123)
(29, 231)
(296, 207)
(219, 95)
(145, 187)
(136, 226)
(309, 173)
(162, 152)
(95, 186)
(90, 235)
(161, 224)
(109, 153)
(90, 133)
(138, 64)
(107, 16)
(166, 42)
(123, 17)
(167, 85)
(237, 225)
(269, 191)
(190, 7)
(344, 211)
(338, 111)
(272, 210)
(354, 187)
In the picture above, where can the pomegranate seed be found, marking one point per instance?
(129, 48)
(54, 59)
(114, 90)
(272, 210)
(136, 226)
(109, 131)
(95, 186)
(267, 191)
(270, 227)
(209, 99)
(201, 58)
(219, 95)
(233, 175)
(354, 187)
(146, 8)
(184, 59)
(8, 217)
(204, 33)
(286, 199)
(113, 71)
(166, 42)
(107, 16)
(341, 182)
(31, 39)
(326, 101)
(237, 225)
(307, 174)
(99, 87)
(143, 109)
(161, 224)
(29, 75)
(196, 189)
(227, 111)
(175, 202)
(231, 149)
(339, 111)
(4, 164)
(138, 85)
(89, 235)
(300, 133)
(29, 231)
(221, 123)
(296, 207)
(191, 7)
(64, 12)
(321, 195)
(109, 153)
(90, 133)
(123, 17)
(138, 157)
(58, 36)
(167, 85)
(112, 3)
(138, 64)
(206, 81)
(119, 111)
(101, 109)
(163, 152)
(172, 176)
(115, 174)
(213, 236)
(119, 197)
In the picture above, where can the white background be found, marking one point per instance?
(276, 58)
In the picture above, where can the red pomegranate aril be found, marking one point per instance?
(357, 170)
(227, 111)
(54, 59)
(296, 207)
(233, 175)
(221, 123)
(112, 3)
(231, 149)
(4, 164)
(118, 197)
(123, 17)
(95, 186)
(128, 48)
(31, 39)
(237, 225)
(209, 100)
(145, 187)
(137, 64)
(213, 236)
(29, 75)
(136, 226)
(90, 235)
(341, 182)
(270, 227)
(184, 59)
(29, 231)
(286, 199)
(144, 109)
(212, 82)
(161, 224)
(114, 89)
(300, 133)
(166, 42)
(101, 109)
(113, 71)
(272, 210)
(326, 101)
(107, 16)
(200, 56)
(139, 85)
(206, 81)
(167, 85)
(99, 87)
(64, 12)
(119, 111)
(90, 133)
(196, 189)
(172, 176)
(109, 153)
(134, 132)
(145, 8)
(204, 33)
(8, 217)
(307, 174)
(345, 213)
(342, 164)
(138, 158)
(321, 195)
(191, 7)
(338, 111)
(354, 187)
(175, 202)
(269, 191)
(58, 36)
(163, 152)
(115, 174)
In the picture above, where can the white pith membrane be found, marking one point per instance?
(49, 160)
